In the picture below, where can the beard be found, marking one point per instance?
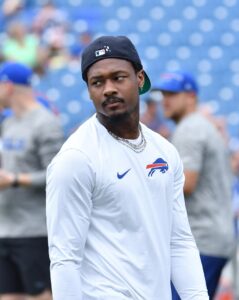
(119, 117)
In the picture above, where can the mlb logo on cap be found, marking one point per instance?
(102, 51)
(99, 52)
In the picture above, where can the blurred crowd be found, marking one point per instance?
(43, 39)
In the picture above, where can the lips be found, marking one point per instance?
(112, 102)
(113, 105)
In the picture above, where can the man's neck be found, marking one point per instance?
(21, 107)
(126, 127)
(185, 115)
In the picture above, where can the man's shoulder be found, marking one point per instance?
(194, 120)
(45, 123)
(195, 126)
(84, 137)
(46, 115)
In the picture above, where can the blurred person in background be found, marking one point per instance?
(48, 17)
(22, 46)
(10, 8)
(42, 99)
(82, 40)
(207, 172)
(235, 202)
(31, 136)
(58, 56)
(235, 169)
(51, 26)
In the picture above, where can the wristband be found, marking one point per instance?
(15, 182)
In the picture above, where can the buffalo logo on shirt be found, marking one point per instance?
(158, 164)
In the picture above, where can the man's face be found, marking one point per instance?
(113, 86)
(174, 104)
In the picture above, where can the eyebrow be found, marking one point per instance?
(109, 74)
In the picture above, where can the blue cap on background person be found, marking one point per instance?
(176, 82)
(16, 73)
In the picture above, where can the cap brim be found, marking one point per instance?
(147, 84)
(169, 86)
(173, 86)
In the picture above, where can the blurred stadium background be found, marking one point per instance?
(199, 36)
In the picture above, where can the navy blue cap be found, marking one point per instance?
(112, 47)
(16, 73)
(177, 82)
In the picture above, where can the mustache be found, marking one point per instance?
(112, 99)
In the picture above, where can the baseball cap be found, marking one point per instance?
(177, 82)
(112, 47)
(16, 73)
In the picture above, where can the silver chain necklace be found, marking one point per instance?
(135, 147)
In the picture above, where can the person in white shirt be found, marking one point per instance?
(116, 217)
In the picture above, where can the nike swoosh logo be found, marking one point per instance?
(120, 176)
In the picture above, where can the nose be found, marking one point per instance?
(109, 88)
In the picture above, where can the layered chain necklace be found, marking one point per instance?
(135, 147)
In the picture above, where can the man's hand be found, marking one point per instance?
(6, 179)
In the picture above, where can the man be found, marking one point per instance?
(117, 222)
(31, 136)
(206, 163)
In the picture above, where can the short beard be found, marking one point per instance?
(119, 117)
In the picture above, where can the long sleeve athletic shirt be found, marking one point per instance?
(28, 145)
(117, 224)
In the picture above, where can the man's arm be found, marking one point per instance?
(70, 183)
(191, 151)
(48, 140)
(186, 269)
(191, 180)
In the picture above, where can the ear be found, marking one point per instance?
(191, 99)
(140, 78)
(10, 87)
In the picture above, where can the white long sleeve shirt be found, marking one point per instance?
(117, 223)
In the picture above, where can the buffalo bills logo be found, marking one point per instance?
(158, 164)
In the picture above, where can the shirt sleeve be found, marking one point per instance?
(190, 148)
(70, 182)
(49, 139)
(186, 269)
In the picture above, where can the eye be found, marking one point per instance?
(120, 77)
(96, 82)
